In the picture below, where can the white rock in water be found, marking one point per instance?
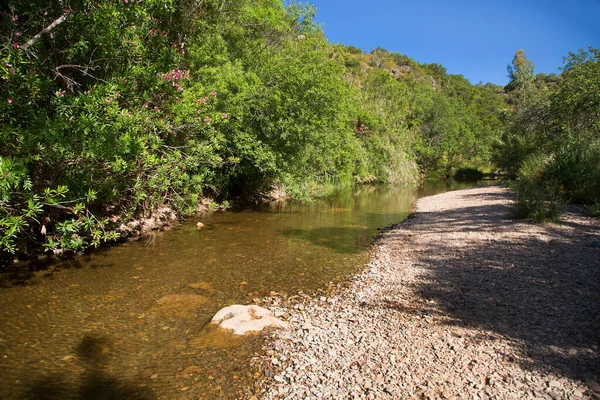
(199, 225)
(244, 319)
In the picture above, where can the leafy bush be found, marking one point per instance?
(595, 209)
(468, 174)
(540, 196)
(577, 166)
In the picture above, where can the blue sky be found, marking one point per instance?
(477, 39)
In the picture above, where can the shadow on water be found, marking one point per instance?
(347, 239)
(534, 291)
(93, 382)
(31, 272)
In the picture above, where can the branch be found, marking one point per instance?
(47, 29)
(81, 68)
(56, 205)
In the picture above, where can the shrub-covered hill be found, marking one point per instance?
(117, 108)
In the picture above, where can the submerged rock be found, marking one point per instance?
(246, 319)
(180, 305)
(203, 287)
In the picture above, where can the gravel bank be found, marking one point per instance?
(459, 301)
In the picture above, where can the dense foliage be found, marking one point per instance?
(112, 109)
(552, 141)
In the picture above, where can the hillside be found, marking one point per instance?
(112, 110)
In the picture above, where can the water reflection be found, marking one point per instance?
(127, 322)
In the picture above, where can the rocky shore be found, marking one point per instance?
(459, 301)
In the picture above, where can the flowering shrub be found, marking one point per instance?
(362, 129)
(174, 77)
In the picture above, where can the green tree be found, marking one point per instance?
(521, 72)
(552, 142)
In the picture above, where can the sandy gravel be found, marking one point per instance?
(459, 301)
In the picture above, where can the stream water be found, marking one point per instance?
(129, 322)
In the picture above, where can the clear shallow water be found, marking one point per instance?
(128, 322)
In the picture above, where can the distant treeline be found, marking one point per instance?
(112, 109)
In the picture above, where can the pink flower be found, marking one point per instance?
(145, 105)
(225, 115)
(207, 121)
(10, 101)
(126, 1)
(213, 93)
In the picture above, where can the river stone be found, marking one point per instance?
(246, 319)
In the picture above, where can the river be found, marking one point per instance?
(129, 322)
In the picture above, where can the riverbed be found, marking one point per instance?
(130, 321)
(461, 301)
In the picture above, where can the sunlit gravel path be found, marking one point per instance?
(459, 301)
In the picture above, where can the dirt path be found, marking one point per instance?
(459, 301)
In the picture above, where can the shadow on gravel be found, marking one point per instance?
(542, 293)
(492, 196)
(468, 219)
